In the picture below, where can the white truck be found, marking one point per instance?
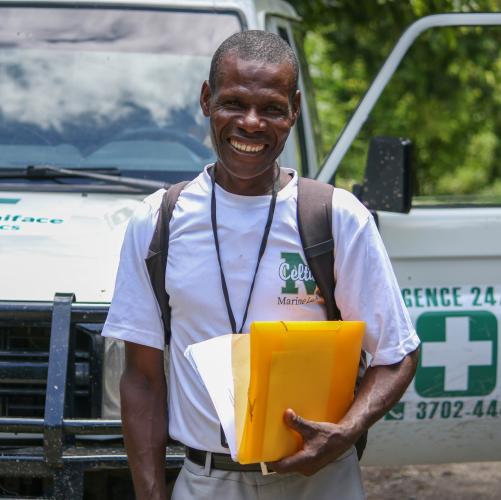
(99, 106)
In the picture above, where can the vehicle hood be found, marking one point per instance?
(61, 242)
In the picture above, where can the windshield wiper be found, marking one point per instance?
(52, 172)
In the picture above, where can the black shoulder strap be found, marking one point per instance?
(314, 217)
(156, 261)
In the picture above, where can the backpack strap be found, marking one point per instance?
(314, 217)
(156, 261)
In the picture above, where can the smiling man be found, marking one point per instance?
(252, 105)
(229, 231)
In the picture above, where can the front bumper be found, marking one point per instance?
(64, 454)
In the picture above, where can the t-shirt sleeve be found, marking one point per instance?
(366, 286)
(134, 313)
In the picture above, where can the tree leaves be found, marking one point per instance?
(444, 96)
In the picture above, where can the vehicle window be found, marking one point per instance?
(106, 87)
(303, 149)
(298, 131)
(308, 90)
(444, 98)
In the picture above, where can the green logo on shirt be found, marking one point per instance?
(294, 270)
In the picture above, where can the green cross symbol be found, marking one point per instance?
(458, 355)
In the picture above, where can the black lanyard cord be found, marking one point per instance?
(262, 248)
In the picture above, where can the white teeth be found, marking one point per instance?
(247, 148)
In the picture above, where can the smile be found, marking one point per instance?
(246, 148)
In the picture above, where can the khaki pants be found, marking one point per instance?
(340, 480)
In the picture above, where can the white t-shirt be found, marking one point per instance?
(366, 288)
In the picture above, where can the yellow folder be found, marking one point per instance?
(309, 366)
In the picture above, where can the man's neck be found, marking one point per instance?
(258, 186)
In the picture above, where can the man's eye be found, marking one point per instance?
(232, 104)
(275, 110)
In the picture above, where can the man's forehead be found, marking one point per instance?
(234, 68)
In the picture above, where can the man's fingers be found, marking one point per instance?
(299, 424)
(290, 464)
(308, 459)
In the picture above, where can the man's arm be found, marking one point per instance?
(143, 393)
(381, 387)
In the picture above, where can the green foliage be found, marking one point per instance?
(443, 97)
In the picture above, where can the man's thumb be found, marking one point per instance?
(294, 421)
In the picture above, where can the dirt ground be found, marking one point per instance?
(470, 481)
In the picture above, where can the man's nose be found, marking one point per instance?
(251, 121)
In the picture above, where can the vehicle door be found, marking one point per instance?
(446, 251)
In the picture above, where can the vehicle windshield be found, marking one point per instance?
(107, 87)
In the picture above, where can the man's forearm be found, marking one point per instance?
(381, 387)
(144, 419)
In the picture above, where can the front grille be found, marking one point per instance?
(24, 356)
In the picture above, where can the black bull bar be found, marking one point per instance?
(58, 457)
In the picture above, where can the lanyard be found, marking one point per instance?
(262, 247)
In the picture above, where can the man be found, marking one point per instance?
(252, 101)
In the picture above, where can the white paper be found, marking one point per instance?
(211, 359)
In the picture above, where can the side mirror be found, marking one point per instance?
(388, 176)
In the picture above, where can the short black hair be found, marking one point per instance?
(255, 45)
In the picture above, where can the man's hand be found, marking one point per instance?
(381, 387)
(323, 442)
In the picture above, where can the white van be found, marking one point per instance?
(98, 107)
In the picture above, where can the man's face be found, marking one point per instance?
(251, 112)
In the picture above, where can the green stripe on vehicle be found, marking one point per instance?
(9, 201)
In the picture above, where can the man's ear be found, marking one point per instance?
(205, 95)
(296, 106)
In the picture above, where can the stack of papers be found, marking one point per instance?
(252, 379)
